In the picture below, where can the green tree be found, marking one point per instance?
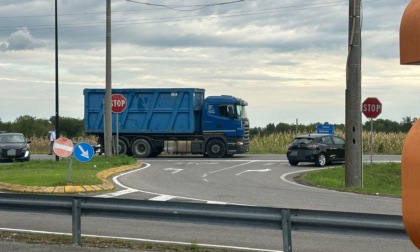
(383, 125)
(30, 126)
(69, 127)
(406, 123)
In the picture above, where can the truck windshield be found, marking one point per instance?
(241, 111)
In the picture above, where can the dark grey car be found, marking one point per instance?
(320, 149)
(13, 146)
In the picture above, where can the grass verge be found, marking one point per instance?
(378, 179)
(52, 173)
(105, 243)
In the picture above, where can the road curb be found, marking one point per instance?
(103, 175)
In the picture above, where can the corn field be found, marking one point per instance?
(383, 143)
(41, 145)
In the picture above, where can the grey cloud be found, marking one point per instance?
(21, 40)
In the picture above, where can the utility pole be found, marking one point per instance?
(57, 117)
(108, 90)
(353, 166)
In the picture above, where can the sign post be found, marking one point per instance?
(371, 108)
(119, 103)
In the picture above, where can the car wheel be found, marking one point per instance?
(293, 163)
(216, 149)
(321, 160)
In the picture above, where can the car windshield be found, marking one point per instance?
(303, 140)
(11, 139)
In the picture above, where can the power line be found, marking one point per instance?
(231, 14)
(192, 7)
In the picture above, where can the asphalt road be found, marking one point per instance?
(264, 180)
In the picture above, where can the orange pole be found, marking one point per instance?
(410, 174)
(410, 34)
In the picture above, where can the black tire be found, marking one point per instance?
(216, 148)
(293, 163)
(141, 148)
(321, 160)
(122, 147)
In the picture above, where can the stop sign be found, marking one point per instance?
(371, 107)
(118, 103)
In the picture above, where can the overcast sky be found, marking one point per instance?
(287, 58)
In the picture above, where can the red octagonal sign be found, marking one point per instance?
(371, 107)
(118, 103)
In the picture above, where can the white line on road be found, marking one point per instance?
(162, 198)
(126, 190)
(231, 167)
(265, 170)
(174, 170)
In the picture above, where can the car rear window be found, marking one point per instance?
(303, 140)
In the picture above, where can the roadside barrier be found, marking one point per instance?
(287, 220)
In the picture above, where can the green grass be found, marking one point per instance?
(52, 173)
(107, 244)
(378, 179)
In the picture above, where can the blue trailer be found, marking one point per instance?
(174, 120)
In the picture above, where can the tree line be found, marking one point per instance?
(71, 127)
(34, 127)
(379, 125)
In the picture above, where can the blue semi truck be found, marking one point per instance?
(174, 120)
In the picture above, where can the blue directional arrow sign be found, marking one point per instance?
(83, 152)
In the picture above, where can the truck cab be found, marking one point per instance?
(225, 117)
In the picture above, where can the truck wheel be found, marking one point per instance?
(122, 147)
(141, 148)
(216, 148)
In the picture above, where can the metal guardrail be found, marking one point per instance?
(245, 216)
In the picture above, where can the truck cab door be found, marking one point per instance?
(220, 118)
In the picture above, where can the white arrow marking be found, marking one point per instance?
(173, 169)
(84, 154)
(266, 170)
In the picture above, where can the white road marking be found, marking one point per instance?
(126, 190)
(231, 167)
(174, 170)
(162, 198)
(216, 202)
(116, 194)
(283, 178)
(266, 170)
